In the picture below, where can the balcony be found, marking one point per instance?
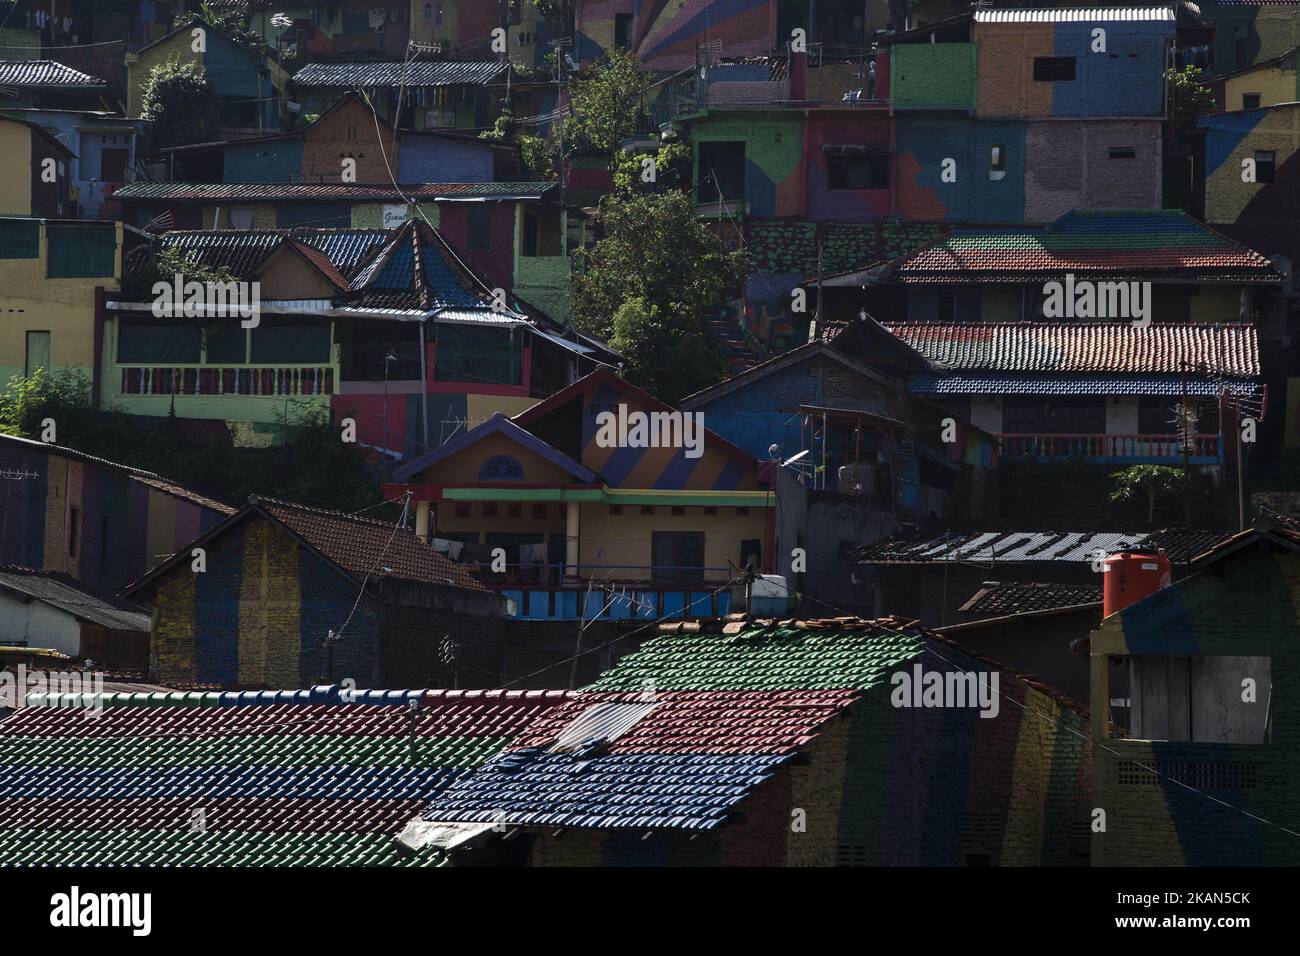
(242, 380)
(554, 592)
(1115, 449)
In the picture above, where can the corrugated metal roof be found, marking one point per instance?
(65, 593)
(1229, 349)
(1015, 547)
(328, 192)
(396, 73)
(1075, 15)
(44, 73)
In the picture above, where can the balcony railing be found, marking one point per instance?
(247, 380)
(552, 592)
(1140, 448)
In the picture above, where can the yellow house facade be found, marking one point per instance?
(50, 274)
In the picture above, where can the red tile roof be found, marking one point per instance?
(366, 546)
(1218, 348)
(185, 494)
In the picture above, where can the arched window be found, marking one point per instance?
(501, 468)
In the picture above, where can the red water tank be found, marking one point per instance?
(1129, 576)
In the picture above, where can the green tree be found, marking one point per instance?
(177, 96)
(1154, 483)
(671, 164)
(537, 154)
(669, 270)
(1187, 94)
(232, 21)
(605, 104)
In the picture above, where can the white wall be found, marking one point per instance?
(38, 625)
(1122, 415)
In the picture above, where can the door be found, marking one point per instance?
(38, 352)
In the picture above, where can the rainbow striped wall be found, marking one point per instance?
(256, 617)
(665, 33)
(123, 526)
(660, 468)
(1207, 803)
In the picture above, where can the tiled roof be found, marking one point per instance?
(999, 383)
(185, 494)
(44, 73)
(1160, 348)
(855, 655)
(995, 599)
(1138, 244)
(67, 594)
(397, 73)
(243, 253)
(416, 270)
(684, 764)
(1013, 547)
(357, 545)
(325, 192)
(710, 711)
(294, 778)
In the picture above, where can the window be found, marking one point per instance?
(844, 171)
(480, 354)
(375, 351)
(721, 172)
(242, 217)
(1038, 415)
(1122, 152)
(38, 352)
(1050, 69)
(141, 341)
(1265, 165)
(291, 341)
(946, 306)
(678, 556)
(1250, 101)
(1200, 699)
(501, 468)
(997, 161)
(74, 530)
(112, 165)
(81, 250)
(623, 31)
(478, 226)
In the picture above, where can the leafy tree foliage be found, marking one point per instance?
(605, 104)
(177, 96)
(648, 286)
(1154, 483)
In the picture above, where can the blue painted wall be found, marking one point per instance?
(924, 141)
(233, 73)
(1126, 80)
(278, 161)
(429, 158)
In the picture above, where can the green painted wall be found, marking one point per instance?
(933, 75)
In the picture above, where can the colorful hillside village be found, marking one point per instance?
(615, 433)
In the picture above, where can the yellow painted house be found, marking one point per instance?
(53, 275)
(1263, 84)
(589, 527)
(39, 183)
